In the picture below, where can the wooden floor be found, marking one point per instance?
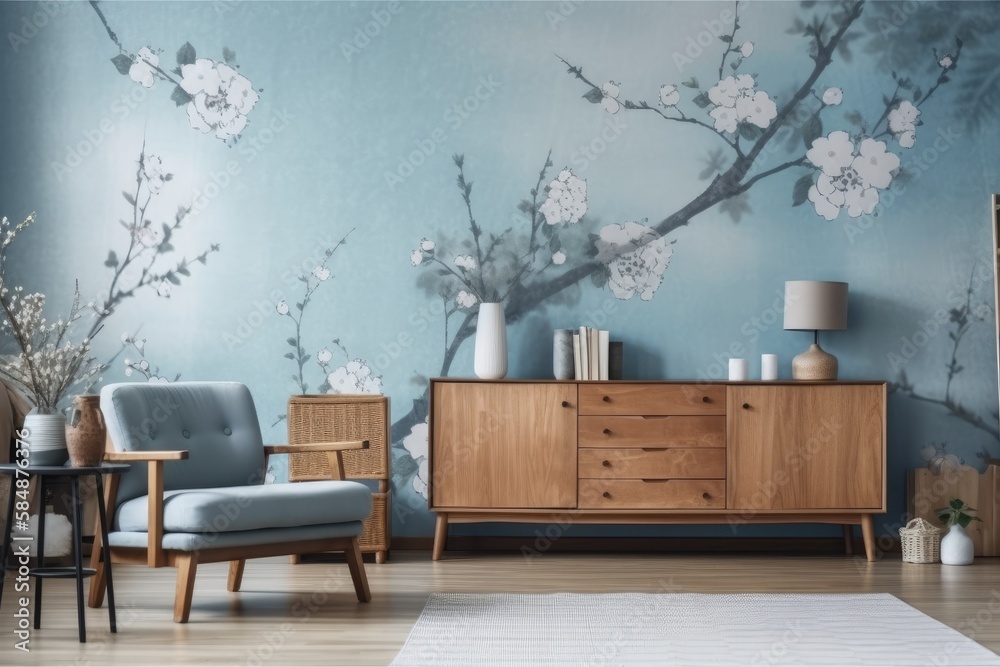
(308, 615)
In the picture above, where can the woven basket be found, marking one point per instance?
(334, 417)
(921, 542)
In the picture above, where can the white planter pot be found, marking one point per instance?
(46, 439)
(957, 547)
(491, 342)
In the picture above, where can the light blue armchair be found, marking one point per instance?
(195, 493)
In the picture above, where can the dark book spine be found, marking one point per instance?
(615, 355)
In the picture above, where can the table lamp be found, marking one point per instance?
(815, 305)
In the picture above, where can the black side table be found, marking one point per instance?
(61, 473)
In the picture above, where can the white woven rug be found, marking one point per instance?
(683, 630)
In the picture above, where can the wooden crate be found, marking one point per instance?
(334, 417)
(926, 492)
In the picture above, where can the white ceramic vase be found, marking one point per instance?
(957, 547)
(491, 342)
(46, 438)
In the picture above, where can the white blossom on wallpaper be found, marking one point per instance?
(636, 257)
(416, 445)
(216, 97)
(136, 363)
(480, 272)
(353, 375)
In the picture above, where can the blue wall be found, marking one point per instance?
(288, 126)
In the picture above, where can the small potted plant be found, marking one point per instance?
(956, 546)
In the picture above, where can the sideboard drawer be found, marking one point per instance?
(652, 399)
(653, 431)
(663, 494)
(653, 463)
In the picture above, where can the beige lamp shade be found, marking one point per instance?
(815, 305)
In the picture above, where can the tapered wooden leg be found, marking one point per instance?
(440, 535)
(98, 584)
(187, 567)
(848, 539)
(380, 557)
(357, 567)
(235, 574)
(295, 559)
(868, 531)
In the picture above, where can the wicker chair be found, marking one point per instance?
(195, 493)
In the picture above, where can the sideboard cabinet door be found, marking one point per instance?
(504, 445)
(806, 447)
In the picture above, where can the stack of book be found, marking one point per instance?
(595, 356)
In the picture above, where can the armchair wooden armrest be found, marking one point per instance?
(316, 447)
(129, 457)
(154, 527)
(334, 452)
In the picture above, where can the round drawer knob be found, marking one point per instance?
(607, 399)
(706, 495)
(565, 404)
(706, 399)
(746, 406)
(607, 431)
(607, 494)
(606, 464)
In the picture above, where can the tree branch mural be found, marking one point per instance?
(355, 376)
(961, 318)
(846, 169)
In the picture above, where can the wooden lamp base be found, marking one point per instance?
(814, 364)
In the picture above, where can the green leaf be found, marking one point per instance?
(183, 271)
(691, 83)
(180, 96)
(917, 93)
(554, 244)
(812, 130)
(594, 95)
(300, 306)
(172, 278)
(289, 355)
(122, 63)
(228, 55)
(306, 358)
(112, 260)
(128, 197)
(186, 54)
(702, 100)
(957, 504)
(293, 342)
(165, 247)
(800, 191)
(853, 117)
(945, 519)
(726, 38)
(964, 520)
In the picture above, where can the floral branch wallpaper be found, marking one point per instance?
(317, 196)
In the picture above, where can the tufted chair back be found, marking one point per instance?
(215, 421)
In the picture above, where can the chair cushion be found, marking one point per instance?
(246, 538)
(243, 508)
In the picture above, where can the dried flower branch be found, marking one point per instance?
(48, 364)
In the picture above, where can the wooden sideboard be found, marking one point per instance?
(540, 451)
